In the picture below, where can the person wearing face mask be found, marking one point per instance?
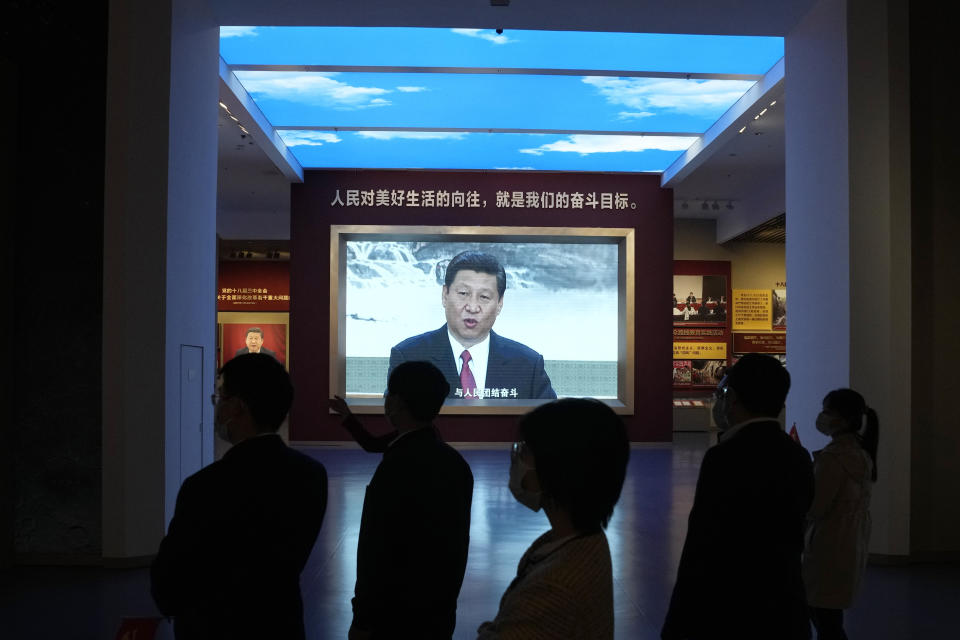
(570, 460)
(838, 524)
(740, 573)
(244, 526)
(415, 525)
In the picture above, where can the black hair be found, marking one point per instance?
(761, 383)
(254, 330)
(580, 450)
(851, 406)
(476, 261)
(421, 386)
(262, 384)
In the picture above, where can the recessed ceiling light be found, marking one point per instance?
(763, 112)
(773, 103)
(224, 106)
(756, 117)
(742, 129)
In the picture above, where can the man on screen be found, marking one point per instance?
(254, 342)
(477, 362)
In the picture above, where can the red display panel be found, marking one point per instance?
(477, 199)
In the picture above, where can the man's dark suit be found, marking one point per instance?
(243, 528)
(739, 574)
(414, 535)
(511, 365)
(243, 350)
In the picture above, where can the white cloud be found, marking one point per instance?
(307, 138)
(412, 135)
(484, 34)
(675, 94)
(237, 32)
(587, 144)
(515, 168)
(630, 115)
(411, 89)
(319, 89)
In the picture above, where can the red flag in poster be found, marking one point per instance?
(794, 434)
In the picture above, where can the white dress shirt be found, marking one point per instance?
(479, 356)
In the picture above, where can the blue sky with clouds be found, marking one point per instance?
(507, 101)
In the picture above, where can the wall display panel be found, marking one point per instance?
(256, 285)
(237, 334)
(757, 342)
(394, 305)
(759, 309)
(514, 202)
(701, 330)
(699, 299)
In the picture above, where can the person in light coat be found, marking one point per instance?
(838, 523)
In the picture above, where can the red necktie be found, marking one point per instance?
(467, 383)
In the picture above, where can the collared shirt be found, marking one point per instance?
(732, 431)
(479, 355)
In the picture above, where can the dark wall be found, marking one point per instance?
(56, 53)
(312, 215)
(935, 432)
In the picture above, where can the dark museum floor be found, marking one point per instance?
(646, 535)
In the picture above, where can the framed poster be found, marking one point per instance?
(566, 305)
(700, 299)
(780, 309)
(244, 332)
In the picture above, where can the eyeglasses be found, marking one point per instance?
(517, 450)
(720, 392)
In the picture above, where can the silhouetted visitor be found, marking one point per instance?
(415, 527)
(570, 458)
(739, 574)
(838, 525)
(229, 566)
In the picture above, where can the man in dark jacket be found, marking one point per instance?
(739, 574)
(229, 566)
(415, 527)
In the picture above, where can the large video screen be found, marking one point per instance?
(513, 317)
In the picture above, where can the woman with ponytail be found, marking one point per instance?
(838, 524)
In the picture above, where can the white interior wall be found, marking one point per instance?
(159, 272)
(191, 269)
(846, 240)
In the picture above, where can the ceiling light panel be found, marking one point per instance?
(491, 101)
(420, 99)
(421, 47)
(510, 151)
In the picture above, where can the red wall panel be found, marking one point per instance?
(315, 206)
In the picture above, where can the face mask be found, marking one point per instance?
(720, 413)
(222, 430)
(529, 499)
(221, 427)
(828, 425)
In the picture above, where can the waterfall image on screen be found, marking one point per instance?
(560, 302)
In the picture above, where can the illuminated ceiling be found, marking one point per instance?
(410, 98)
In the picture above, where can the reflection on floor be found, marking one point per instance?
(646, 535)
